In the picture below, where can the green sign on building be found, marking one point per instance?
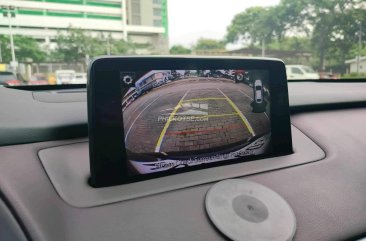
(164, 16)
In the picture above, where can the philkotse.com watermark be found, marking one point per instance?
(183, 118)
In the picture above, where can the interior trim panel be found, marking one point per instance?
(9, 227)
(68, 169)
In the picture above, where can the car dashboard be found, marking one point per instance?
(44, 194)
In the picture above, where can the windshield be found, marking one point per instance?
(317, 39)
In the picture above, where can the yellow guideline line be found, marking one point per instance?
(246, 122)
(162, 134)
(209, 98)
(206, 116)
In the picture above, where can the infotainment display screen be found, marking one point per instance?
(154, 116)
(173, 119)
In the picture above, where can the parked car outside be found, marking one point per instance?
(151, 80)
(38, 79)
(80, 78)
(258, 91)
(328, 75)
(65, 76)
(9, 79)
(241, 76)
(301, 72)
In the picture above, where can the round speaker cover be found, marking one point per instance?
(244, 210)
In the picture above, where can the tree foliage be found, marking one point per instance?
(291, 43)
(26, 49)
(179, 49)
(206, 44)
(76, 45)
(333, 25)
(330, 25)
(255, 25)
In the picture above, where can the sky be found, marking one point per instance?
(190, 20)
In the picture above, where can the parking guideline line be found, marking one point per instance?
(129, 129)
(243, 118)
(229, 127)
(207, 116)
(209, 98)
(162, 134)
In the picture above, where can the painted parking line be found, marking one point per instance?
(242, 117)
(246, 94)
(252, 100)
(136, 109)
(162, 134)
(141, 106)
(129, 129)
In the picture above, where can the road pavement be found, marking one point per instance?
(194, 115)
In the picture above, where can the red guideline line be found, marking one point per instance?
(229, 127)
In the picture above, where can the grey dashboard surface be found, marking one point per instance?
(327, 197)
(27, 116)
(68, 169)
(310, 93)
(9, 227)
(32, 116)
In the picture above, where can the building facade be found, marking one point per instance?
(141, 21)
(353, 68)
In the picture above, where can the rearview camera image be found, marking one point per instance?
(174, 119)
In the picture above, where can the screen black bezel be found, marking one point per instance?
(108, 164)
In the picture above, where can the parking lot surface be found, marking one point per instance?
(193, 115)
